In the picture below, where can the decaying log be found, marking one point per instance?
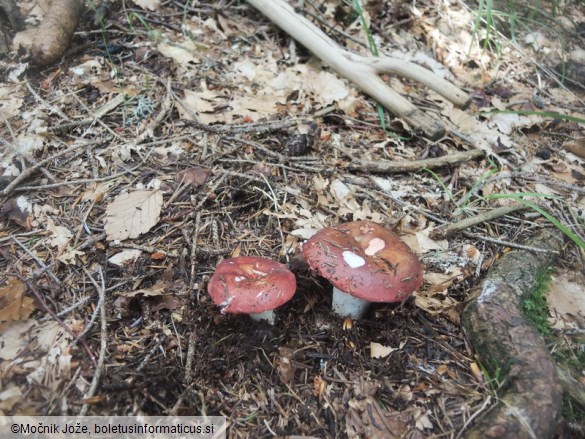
(363, 71)
(529, 398)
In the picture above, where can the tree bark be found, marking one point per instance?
(529, 398)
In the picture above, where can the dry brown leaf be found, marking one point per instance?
(194, 176)
(60, 236)
(151, 5)
(14, 305)
(476, 372)
(13, 338)
(319, 386)
(378, 350)
(132, 214)
(96, 191)
(19, 210)
(566, 300)
(125, 258)
(43, 351)
(9, 397)
(577, 147)
(49, 343)
(157, 289)
(182, 52)
(366, 418)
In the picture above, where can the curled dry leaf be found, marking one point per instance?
(125, 258)
(132, 214)
(378, 350)
(319, 386)
(577, 147)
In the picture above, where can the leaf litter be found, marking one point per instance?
(154, 195)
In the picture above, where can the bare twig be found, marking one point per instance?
(448, 230)
(52, 313)
(39, 262)
(190, 355)
(394, 167)
(26, 173)
(506, 243)
(103, 338)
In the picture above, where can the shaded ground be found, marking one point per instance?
(214, 88)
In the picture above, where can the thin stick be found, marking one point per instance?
(448, 230)
(190, 355)
(52, 313)
(395, 167)
(101, 301)
(507, 243)
(103, 339)
(193, 257)
(26, 173)
(39, 262)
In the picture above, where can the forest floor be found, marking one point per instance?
(172, 136)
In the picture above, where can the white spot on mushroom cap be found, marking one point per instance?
(258, 272)
(374, 246)
(353, 260)
(239, 278)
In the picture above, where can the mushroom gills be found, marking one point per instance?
(345, 305)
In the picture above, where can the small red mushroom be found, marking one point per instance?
(365, 263)
(251, 285)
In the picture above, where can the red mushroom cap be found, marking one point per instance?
(365, 260)
(250, 285)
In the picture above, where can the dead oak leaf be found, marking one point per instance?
(14, 305)
(132, 214)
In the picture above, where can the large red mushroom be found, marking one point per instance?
(251, 285)
(365, 263)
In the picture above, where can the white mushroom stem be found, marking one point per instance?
(266, 315)
(345, 305)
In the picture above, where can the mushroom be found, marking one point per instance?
(251, 285)
(365, 263)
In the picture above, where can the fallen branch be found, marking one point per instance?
(509, 346)
(448, 230)
(395, 167)
(363, 71)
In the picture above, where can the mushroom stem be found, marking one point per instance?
(345, 305)
(266, 315)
